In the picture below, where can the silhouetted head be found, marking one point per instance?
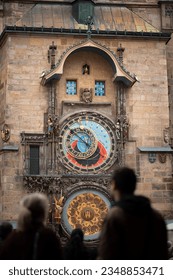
(34, 210)
(77, 233)
(5, 229)
(124, 181)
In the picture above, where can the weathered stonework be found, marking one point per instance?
(27, 101)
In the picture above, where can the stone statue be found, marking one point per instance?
(85, 69)
(50, 125)
(125, 129)
(166, 135)
(118, 128)
(5, 133)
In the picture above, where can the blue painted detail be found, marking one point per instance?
(100, 88)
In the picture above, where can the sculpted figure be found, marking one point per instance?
(58, 208)
(86, 95)
(5, 133)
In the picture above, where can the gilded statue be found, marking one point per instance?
(58, 208)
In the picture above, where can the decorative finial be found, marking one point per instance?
(89, 21)
(51, 55)
(120, 51)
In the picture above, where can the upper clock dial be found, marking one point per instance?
(87, 142)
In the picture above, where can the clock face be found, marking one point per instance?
(85, 209)
(87, 142)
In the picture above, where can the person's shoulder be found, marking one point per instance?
(158, 220)
(115, 212)
(157, 215)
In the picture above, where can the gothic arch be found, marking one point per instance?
(120, 72)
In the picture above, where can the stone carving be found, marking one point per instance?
(5, 133)
(58, 208)
(120, 51)
(70, 48)
(52, 125)
(125, 127)
(89, 21)
(85, 69)
(86, 95)
(32, 138)
(51, 55)
(166, 135)
(118, 130)
(152, 157)
(162, 157)
(53, 185)
(122, 128)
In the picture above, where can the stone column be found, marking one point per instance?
(121, 122)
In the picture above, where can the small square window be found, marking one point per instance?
(71, 87)
(100, 88)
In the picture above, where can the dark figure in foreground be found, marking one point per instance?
(133, 230)
(5, 229)
(75, 248)
(32, 239)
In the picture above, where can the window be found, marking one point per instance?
(71, 87)
(99, 88)
(34, 160)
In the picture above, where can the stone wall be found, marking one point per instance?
(147, 106)
(24, 101)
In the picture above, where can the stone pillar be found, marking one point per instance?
(52, 128)
(121, 123)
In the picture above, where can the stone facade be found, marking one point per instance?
(30, 91)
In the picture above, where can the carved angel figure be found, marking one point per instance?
(86, 95)
(58, 208)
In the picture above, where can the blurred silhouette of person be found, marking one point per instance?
(32, 239)
(75, 248)
(5, 229)
(170, 250)
(132, 230)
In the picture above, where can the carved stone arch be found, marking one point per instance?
(120, 73)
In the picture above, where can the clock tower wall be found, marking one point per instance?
(99, 70)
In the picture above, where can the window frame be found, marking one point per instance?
(100, 81)
(71, 80)
(36, 160)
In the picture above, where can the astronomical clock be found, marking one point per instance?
(87, 147)
(85, 131)
(87, 143)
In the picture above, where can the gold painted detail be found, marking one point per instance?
(58, 208)
(87, 211)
